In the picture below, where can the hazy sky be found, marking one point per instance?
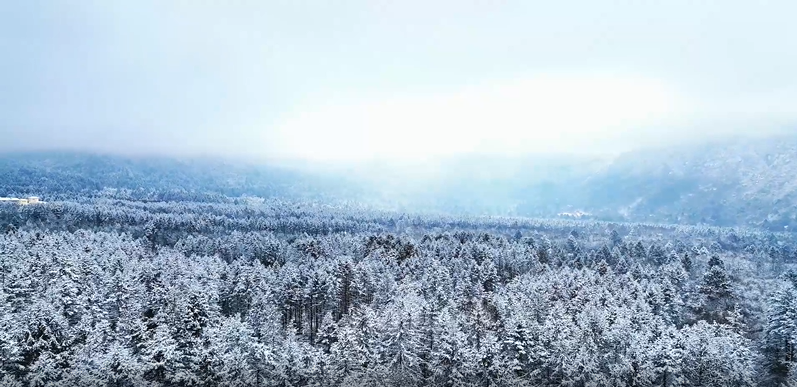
(354, 80)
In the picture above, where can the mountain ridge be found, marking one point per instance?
(731, 182)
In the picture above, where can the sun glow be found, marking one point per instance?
(545, 114)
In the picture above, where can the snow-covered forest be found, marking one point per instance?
(360, 193)
(111, 292)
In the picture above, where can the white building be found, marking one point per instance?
(22, 202)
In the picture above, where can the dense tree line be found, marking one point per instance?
(125, 293)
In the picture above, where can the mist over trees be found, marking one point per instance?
(743, 182)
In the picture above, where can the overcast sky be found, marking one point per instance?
(355, 80)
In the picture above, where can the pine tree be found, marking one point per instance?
(229, 356)
(657, 255)
(686, 262)
(354, 351)
(622, 265)
(717, 292)
(638, 252)
(328, 332)
(666, 368)
(161, 358)
(400, 347)
(780, 335)
(116, 367)
(449, 364)
(10, 355)
(605, 254)
(615, 238)
(715, 261)
(518, 343)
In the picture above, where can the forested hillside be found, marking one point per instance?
(69, 175)
(112, 292)
(735, 182)
(743, 182)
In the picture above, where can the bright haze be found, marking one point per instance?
(391, 80)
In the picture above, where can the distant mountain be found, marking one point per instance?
(749, 182)
(67, 174)
(742, 181)
(738, 182)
